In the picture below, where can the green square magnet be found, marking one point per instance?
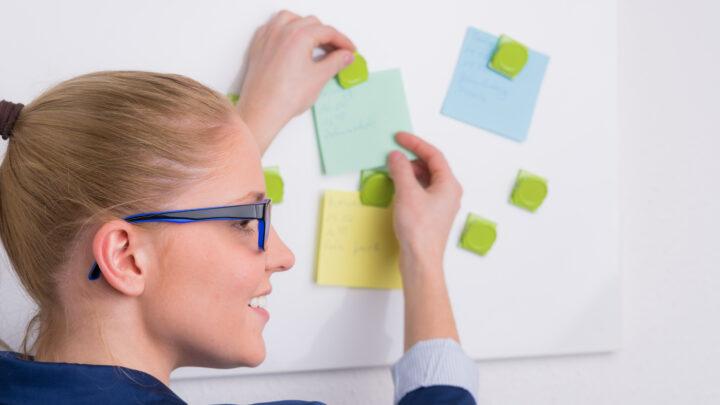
(509, 58)
(354, 73)
(530, 191)
(376, 188)
(479, 234)
(233, 97)
(274, 186)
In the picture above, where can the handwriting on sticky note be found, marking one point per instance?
(486, 99)
(357, 245)
(355, 127)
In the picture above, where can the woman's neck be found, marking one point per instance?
(112, 342)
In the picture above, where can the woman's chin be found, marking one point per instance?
(256, 363)
(241, 357)
(255, 357)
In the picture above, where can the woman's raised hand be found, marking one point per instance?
(427, 198)
(282, 78)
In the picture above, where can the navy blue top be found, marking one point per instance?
(30, 382)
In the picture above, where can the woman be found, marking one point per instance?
(109, 196)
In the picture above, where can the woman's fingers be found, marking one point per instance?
(283, 17)
(334, 62)
(401, 172)
(421, 172)
(304, 22)
(324, 35)
(341, 54)
(433, 158)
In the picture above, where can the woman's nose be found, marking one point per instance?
(279, 256)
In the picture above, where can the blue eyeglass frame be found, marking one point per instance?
(258, 210)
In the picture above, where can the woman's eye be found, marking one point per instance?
(243, 225)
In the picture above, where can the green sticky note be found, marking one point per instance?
(234, 98)
(509, 57)
(354, 73)
(530, 191)
(274, 186)
(356, 127)
(478, 235)
(376, 188)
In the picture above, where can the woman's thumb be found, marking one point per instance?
(335, 61)
(401, 171)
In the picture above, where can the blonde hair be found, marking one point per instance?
(96, 147)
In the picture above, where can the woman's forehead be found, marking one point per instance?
(236, 174)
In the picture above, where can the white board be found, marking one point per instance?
(550, 285)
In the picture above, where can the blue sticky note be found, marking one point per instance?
(355, 127)
(486, 99)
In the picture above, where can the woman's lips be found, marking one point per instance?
(261, 312)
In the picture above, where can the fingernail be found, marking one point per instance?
(349, 58)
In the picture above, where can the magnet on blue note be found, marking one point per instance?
(482, 94)
(509, 57)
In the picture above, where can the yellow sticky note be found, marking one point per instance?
(357, 245)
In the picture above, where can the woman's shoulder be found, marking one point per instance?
(438, 394)
(291, 402)
(26, 381)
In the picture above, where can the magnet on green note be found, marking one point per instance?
(274, 186)
(234, 98)
(478, 235)
(354, 73)
(530, 191)
(376, 188)
(509, 57)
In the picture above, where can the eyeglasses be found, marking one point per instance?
(259, 211)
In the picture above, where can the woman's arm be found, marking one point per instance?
(434, 368)
(282, 80)
(427, 198)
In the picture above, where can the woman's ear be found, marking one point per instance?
(119, 249)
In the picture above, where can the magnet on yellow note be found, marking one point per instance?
(376, 188)
(274, 186)
(530, 191)
(509, 58)
(479, 234)
(354, 73)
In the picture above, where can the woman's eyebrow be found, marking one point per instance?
(254, 196)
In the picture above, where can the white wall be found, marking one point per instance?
(669, 87)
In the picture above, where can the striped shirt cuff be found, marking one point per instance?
(434, 362)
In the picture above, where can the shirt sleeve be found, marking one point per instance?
(434, 362)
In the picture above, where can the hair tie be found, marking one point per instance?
(9, 113)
